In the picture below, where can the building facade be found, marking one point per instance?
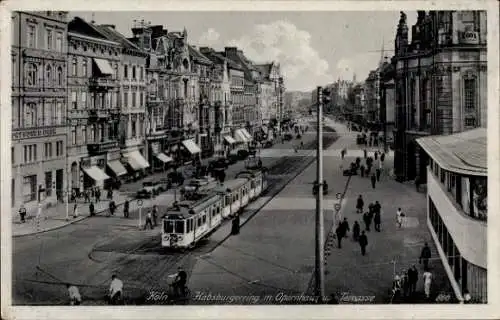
(39, 103)
(440, 82)
(372, 93)
(457, 193)
(132, 103)
(269, 91)
(93, 111)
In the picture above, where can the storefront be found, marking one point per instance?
(190, 151)
(136, 163)
(94, 172)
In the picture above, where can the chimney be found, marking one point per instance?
(231, 50)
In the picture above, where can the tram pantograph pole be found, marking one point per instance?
(320, 272)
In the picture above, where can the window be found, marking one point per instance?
(73, 136)
(74, 104)
(48, 183)
(48, 114)
(141, 101)
(470, 95)
(470, 122)
(12, 156)
(32, 74)
(50, 39)
(48, 150)
(59, 113)
(93, 133)
(60, 79)
(115, 71)
(48, 74)
(133, 73)
(125, 71)
(84, 99)
(84, 67)
(30, 115)
(29, 188)
(134, 96)
(84, 134)
(59, 42)
(74, 67)
(142, 74)
(31, 36)
(59, 148)
(125, 98)
(133, 124)
(29, 153)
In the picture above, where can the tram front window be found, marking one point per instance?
(168, 226)
(179, 227)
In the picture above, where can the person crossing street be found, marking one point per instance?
(363, 243)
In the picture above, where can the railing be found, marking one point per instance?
(102, 82)
(95, 114)
(103, 146)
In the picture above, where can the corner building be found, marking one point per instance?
(93, 113)
(440, 84)
(39, 102)
(457, 211)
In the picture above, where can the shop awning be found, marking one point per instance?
(229, 139)
(191, 146)
(117, 167)
(96, 173)
(136, 160)
(163, 157)
(240, 136)
(103, 66)
(247, 135)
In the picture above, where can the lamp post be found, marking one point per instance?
(319, 270)
(280, 103)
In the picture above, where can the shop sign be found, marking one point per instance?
(33, 133)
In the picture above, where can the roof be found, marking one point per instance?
(114, 35)
(80, 26)
(464, 152)
(198, 56)
(265, 69)
(231, 64)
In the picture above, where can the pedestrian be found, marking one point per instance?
(22, 213)
(417, 183)
(376, 155)
(360, 204)
(363, 242)
(345, 227)
(112, 208)
(235, 224)
(356, 229)
(149, 221)
(367, 219)
(413, 278)
(377, 207)
(374, 180)
(405, 283)
(87, 195)
(365, 153)
(382, 157)
(340, 234)
(91, 209)
(115, 290)
(378, 172)
(155, 215)
(362, 170)
(75, 211)
(377, 221)
(97, 195)
(342, 154)
(427, 282)
(75, 298)
(425, 255)
(399, 217)
(126, 207)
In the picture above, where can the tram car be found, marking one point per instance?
(258, 183)
(235, 193)
(192, 219)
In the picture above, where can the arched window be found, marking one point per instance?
(185, 64)
(60, 81)
(74, 67)
(32, 74)
(152, 86)
(48, 74)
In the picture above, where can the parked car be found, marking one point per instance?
(232, 158)
(242, 154)
(219, 163)
(151, 188)
(176, 177)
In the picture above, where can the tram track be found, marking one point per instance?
(144, 267)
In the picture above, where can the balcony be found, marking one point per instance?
(102, 83)
(101, 147)
(98, 114)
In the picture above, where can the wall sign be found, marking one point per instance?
(33, 133)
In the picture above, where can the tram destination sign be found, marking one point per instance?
(33, 133)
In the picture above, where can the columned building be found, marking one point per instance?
(132, 103)
(93, 112)
(39, 102)
(440, 82)
(457, 208)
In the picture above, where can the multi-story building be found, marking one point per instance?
(387, 100)
(269, 94)
(93, 111)
(372, 96)
(221, 95)
(39, 102)
(132, 102)
(249, 96)
(440, 81)
(202, 68)
(457, 193)
(172, 103)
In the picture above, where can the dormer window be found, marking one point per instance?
(185, 64)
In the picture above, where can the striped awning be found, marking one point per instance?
(117, 167)
(163, 157)
(136, 160)
(96, 173)
(191, 146)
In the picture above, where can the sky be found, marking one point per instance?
(313, 48)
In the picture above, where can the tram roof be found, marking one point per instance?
(187, 208)
(232, 184)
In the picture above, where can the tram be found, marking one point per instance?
(204, 203)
